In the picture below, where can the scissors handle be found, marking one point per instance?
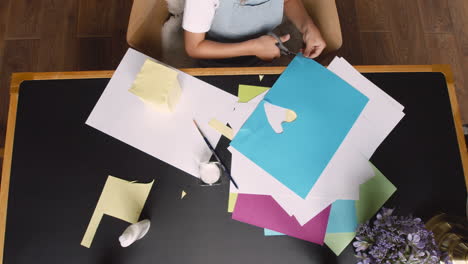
(280, 45)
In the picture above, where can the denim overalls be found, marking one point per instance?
(238, 20)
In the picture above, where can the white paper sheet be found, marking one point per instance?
(242, 111)
(349, 166)
(170, 137)
(381, 115)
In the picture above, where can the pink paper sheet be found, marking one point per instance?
(263, 211)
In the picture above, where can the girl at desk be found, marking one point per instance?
(220, 29)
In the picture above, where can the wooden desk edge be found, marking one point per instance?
(18, 78)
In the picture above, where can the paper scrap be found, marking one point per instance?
(249, 92)
(276, 115)
(120, 199)
(183, 195)
(263, 211)
(268, 232)
(373, 195)
(158, 86)
(327, 108)
(290, 116)
(222, 128)
(232, 202)
(260, 77)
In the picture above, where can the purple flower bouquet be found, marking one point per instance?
(396, 239)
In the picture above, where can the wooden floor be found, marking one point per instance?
(64, 35)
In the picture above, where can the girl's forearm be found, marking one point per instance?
(207, 49)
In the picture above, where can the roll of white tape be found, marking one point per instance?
(210, 172)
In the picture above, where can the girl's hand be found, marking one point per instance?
(314, 43)
(265, 47)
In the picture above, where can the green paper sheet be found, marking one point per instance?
(337, 242)
(372, 196)
(249, 92)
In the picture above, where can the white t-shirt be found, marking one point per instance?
(198, 15)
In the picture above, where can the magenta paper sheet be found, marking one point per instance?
(263, 211)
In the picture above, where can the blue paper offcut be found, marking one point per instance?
(269, 232)
(343, 217)
(326, 108)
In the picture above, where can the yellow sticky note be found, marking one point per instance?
(158, 86)
(120, 199)
(222, 128)
(183, 195)
(232, 202)
(249, 92)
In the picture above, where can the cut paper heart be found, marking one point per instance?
(276, 115)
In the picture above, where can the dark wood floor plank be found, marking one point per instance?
(95, 18)
(459, 16)
(4, 9)
(443, 50)
(372, 15)
(23, 19)
(351, 49)
(22, 56)
(462, 92)
(119, 39)
(94, 54)
(58, 30)
(378, 48)
(436, 16)
(408, 32)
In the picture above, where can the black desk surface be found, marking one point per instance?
(60, 165)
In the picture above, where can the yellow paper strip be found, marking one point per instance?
(222, 128)
(261, 77)
(232, 202)
(183, 195)
(120, 199)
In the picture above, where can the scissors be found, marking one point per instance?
(280, 45)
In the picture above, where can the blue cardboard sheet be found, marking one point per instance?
(269, 232)
(326, 108)
(343, 218)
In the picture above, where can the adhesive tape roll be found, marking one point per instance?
(210, 172)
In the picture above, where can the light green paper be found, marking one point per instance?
(372, 196)
(249, 92)
(337, 242)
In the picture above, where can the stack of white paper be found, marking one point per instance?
(349, 166)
